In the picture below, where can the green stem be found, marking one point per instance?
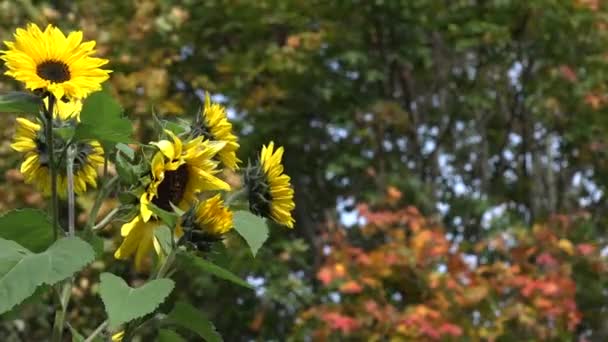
(51, 151)
(67, 286)
(71, 154)
(60, 314)
(235, 196)
(106, 219)
(98, 330)
(101, 196)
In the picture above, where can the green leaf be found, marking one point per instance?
(164, 237)
(95, 241)
(31, 228)
(209, 267)
(165, 335)
(124, 303)
(169, 218)
(252, 228)
(126, 171)
(22, 271)
(187, 316)
(127, 150)
(20, 103)
(101, 119)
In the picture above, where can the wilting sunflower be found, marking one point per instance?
(206, 222)
(270, 192)
(29, 139)
(213, 124)
(49, 61)
(179, 172)
(138, 239)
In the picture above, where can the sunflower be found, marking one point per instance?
(206, 222)
(49, 61)
(269, 189)
(29, 139)
(66, 110)
(179, 172)
(138, 239)
(213, 124)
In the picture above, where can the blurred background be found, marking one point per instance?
(449, 160)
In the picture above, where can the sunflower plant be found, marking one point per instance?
(174, 200)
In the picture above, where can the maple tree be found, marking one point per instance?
(399, 275)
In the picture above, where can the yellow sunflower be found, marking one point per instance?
(179, 172)
(29, 140)
(139, 240)
(48, 60)
(270, 192)
(213, 124)
(66, 111)
(211, 217)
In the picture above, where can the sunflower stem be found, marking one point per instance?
(51, 151)
(71, 154)
(60, 314)
(101, 196)
(106, 219)
(97, 331)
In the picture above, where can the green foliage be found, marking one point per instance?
(30, 228)
(169, 218)
(165, 335)
(164, 236)
(192, 261)
(101, 119)
(124, 304)
(252, 228)
(186, 316)
(22, 271)
(20, 103)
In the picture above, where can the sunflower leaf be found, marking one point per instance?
(164, 237)
(124, 304)
(186, 316)
(101, 119)
(207, 266)
(31, 228)
(169, 218)
(20, 103)
(22, 272)
(165, 335)
(252, 228)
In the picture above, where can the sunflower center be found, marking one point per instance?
(172, 188)
(54, 71)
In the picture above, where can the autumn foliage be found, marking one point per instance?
(400, 276)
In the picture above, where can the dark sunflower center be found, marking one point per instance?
(54, 71)
(172, 188)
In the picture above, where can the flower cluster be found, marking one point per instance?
(181, 173)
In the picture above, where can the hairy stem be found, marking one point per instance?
(71, 202)
(48, 113)
(67, 286)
